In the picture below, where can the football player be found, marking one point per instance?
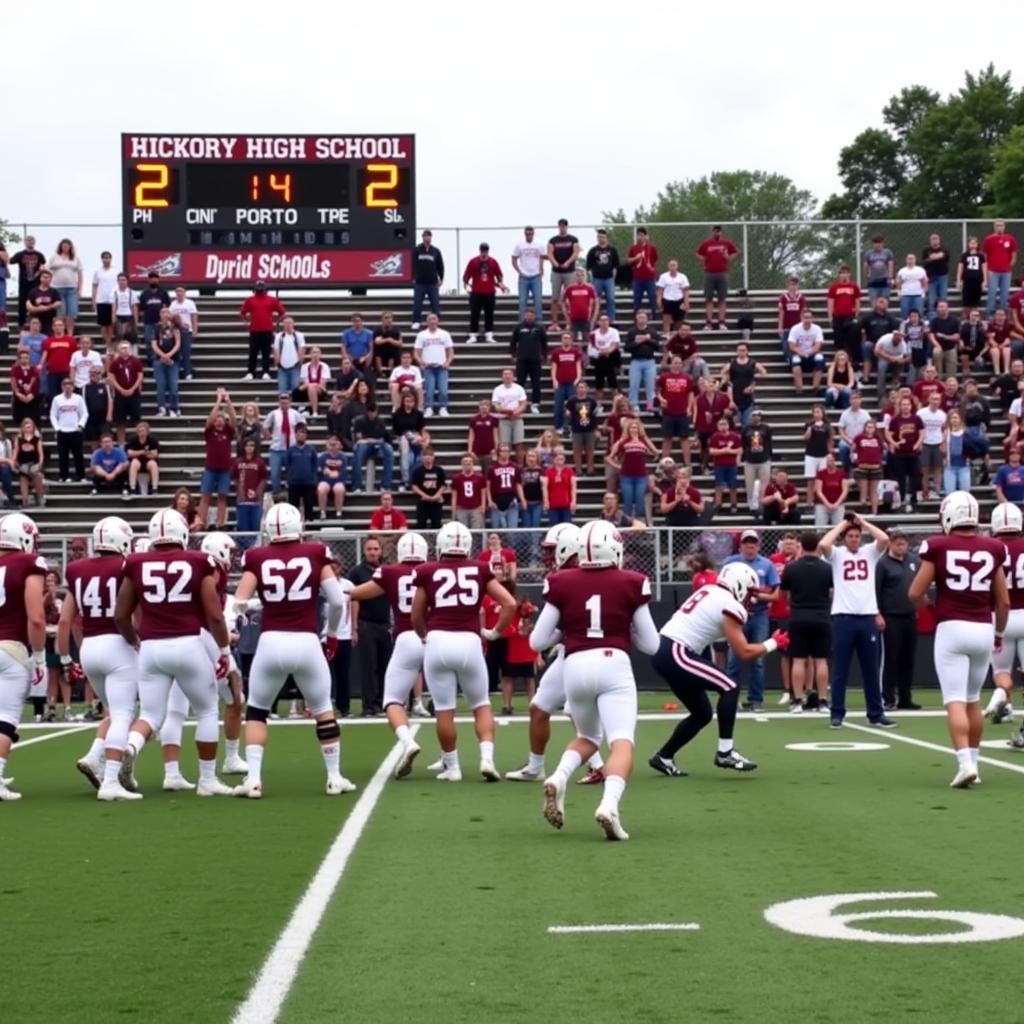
(446, 615)
(176, 590)
(559, 550)
(1007, 524)
(967, 570)
(597, 608)
(714, 612)
(22, 629)
(397, 583)
(288, 575)
(110, 663)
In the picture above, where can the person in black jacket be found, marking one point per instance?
(872, 326)
(371, 632)
(894, 573)
(427, 278)
(642, 344)
(602, 264)
(530, 351)
(372, 439)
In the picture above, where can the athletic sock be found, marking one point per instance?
(973, 751)
(332, 758)
(569, 763)
(724, 746)
(96, 750)
(998, 699)
(403, 734)
(207, 770)
(172, 769)
(614, 787)
(254, 758)
(110, 770)
(487, 750)
(136, 740)
(536, 763)
(963, 757)
(230, 748)
(3, 766)
(596, 762)
(450, 759)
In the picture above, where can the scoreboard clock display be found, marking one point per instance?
(299, 210)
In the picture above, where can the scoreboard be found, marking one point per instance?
(299, 210)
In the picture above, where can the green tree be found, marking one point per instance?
(6, 234)
(1006, 181)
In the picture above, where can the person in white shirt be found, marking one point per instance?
(508, 400)
(605, 349)
(912, 284)
(104, 284)
(932, 451)
(434, 351)
(892, 356)
(405, 375)
(83, 361)
(314, 378)
(288, 352)
(805, 342)
(851, 426)
(528, 258)
(279, 429)
(126, 314)
(188, 318)
(673, 291)
(68, 417)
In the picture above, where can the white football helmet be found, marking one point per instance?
(740, 580)
(114, 535)
(18, 532)
(1006, 518)
(412, 547)
(958, 509)
(600, 545)
(140, 545)
(454, 539)
(560, 543)
(283, 522)
(168, 528)
(219, 546)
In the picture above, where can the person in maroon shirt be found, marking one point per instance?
(219, 433)
(469, 495)
(831, 488)
(869, 455)
(25, 385)
(951, 397)
(904, 437)
(566, 371)
(630, 456)
(791, 306)
(1000, 249)
(55, 363)
(724, 447)
(483, 278)
(250, 475)
(501, 559)
(678, 407)
(711, 403)
(1003, 342)
(262, 312)
(843, 309)
(580, 299)
(926, 384)
(125, 377)
(504, 491)
(716, 252)
(483, 433)
(643, 258)
(780, 501)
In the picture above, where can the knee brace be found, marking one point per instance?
(9, 730)
(256, 714)
(328, 731)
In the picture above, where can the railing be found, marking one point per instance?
(769, 250)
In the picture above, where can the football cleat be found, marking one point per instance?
(419, 710)
(7, 794)
(338, 784)
(666, 766)
(525, 774)
(250, 789)
(234, 766)
(409, 753)
(92, 770)
(554, 801)
(214, 787)
(436, 766)
(609, 821)
(112, 791)
(489, 772)
(126, 773)
(785, 698)
(592, 778)
(1001, 713)
(735, 761)
(449, 775)
(177, 784)
(1017, 739)
(9, 781)
(964, 779)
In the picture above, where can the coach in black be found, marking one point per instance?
(371, 632)
(530, 351)
(894, 573)
(427, 278)
(808, 581)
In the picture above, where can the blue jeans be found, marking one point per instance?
(998, 293)
(642, 289)
(641, 370)
(605, 288)
(287, 379)
(431, 294)
(909, 302)
(956, 478)
(276, 464)
(837, 398)
(530, 288)
(435, 379)
(633, 489)
(563, 392)
(559, 515)
(248, 515)
(878, 291)
(844, 456)
(867, 352)
(368, 450)
(3, 292)
(410, 461)
(507, 519)
(938, 289)
(185, 354)
(7, 482)
(166, 377)
(855, 633)
(532, 515)
(746, 414)
(68, 301)
(148, 334)
(756, 632)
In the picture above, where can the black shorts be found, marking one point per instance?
(519, 670)
(673, 308)
(675, 426)
(606, 371)
(389, 353)
(970, 295)
(809, 640)
(104, 314)
(127, 409)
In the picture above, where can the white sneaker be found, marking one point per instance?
(248, 376)
(554, 801)
(964, 779)
(214, 787)
(250, 789)
(490, 337)
(409, 753)
(92, 770)
(436, 766)
(234, 766)
(535, 409)
(443, 411)
(111, 791)
(525, 774)
(338, 784)
(796, 708)
(427, 413)
(126, 773)
(267, 376)
(489, 772)
(177, 784)
(471, 340)
(609, 821)
(415, 326)
(8, 794)
(785, 698)
(419, 710)
(450, 775)
(9, 781)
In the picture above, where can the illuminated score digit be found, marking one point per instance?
(388, 183)
(278, 183)
(159, 177)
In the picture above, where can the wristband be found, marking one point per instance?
(39, 657)
(65, 660)
(226, 651)
(770, 645)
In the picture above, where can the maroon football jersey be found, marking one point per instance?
(168, 582)
(222, 584)
(964, 567)
(15, 569)
(455, 591)
(399, 583)
(94, 583)
(597, 606)
(288, 583)
(1014, 569)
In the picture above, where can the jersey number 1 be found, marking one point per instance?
(594, 630)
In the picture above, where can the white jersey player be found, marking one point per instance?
(1007, 524)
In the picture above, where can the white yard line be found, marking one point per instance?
(590, 929)
(51, 736)
(269, 991)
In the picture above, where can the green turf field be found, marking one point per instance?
(166, 910)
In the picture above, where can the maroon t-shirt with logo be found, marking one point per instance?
(481, 428)
(288, 583)
(168, 582)
(905, 430)
(964, 567)
(219, 447)
(94, 583)
(502, 478)
(455, 590)
(565, 361)
(469, 490)
(831, 484)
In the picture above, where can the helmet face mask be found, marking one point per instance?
(112, 535)
(220, 547)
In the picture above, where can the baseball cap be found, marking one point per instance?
(260, 286)
(483, 246)
(749, 535)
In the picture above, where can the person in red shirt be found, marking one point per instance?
(778, 610)
(678, 402)
(262, 312)
(724, 447)
(580, 299)
(831, 488)
(250, 475)
(711, 404)
(387, 518)
(791, 307)
(125, 377)
(469, 495)
(843, 306)
(566, 371)
(558, 485)
(55, 363)
(868, 454)
(1000, 251)
(904, 437)
(643, 258)
(1016, 310)
(220, 441)
(926, 384)
(780, 502)
(520, 662)
(483, 434)
(501, 559)
(25, 384)
(716, 252)
(483, 278)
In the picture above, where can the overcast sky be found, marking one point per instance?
(525, 111)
